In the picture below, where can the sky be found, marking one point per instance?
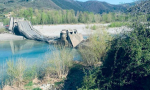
(113, 1)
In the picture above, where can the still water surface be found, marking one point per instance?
(27, 49)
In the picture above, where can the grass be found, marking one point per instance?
(36, 89)
(94, 27)
(2, 30)
(87, 26)
(16, 70)
(60, 62)
(118, 24)
(58, 83)
(29, 85)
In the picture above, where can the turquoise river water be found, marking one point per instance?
(30, 51)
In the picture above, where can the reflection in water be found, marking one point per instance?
(17, 46)
(29, 50)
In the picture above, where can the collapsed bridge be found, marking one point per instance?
(24, 28)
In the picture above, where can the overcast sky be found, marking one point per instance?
(113, 1)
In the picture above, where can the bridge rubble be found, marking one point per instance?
(24, 28)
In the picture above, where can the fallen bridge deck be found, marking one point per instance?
(25, 28)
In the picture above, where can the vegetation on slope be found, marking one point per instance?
(101, 7)
(92, 6)
(70, 16)
(126, 65)
(142, 7)
(68, 4)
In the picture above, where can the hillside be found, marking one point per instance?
(142, 7)
(39, 4)
(68, 4)
(28, 3)
(92, 6)
(100, 7)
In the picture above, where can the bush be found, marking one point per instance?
(6, 21)
(127, 64)
(87, 26)
(30, 73)
(16, 71)
(2, 30)
(37, 89)
(96, 49)
(29, 84)
(60, 62)
(89, 81)
(94, 27)
(118, 24)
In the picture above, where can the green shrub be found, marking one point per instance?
(30, 73)
(16, 71)
(89, 81)
(29, 84)
(96, 49)
(2, 30)
(58, 83)
(87, 27)
(94, 27)
(37, 89)
(118, 24)
(6, 21)
(60, 62)
(126, 65)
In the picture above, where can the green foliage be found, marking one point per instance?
(30, 73)
(67, 5)
(6, 21)
(94, 27)
(29, 84)
(96, 48)
(57, 16)
(127, 63)
(58, 83)
(118, 24)
(69, 16)
(87, 27)
(60, 62)
(36, 89)
(89, 81)
(2, 30)
(16, 71)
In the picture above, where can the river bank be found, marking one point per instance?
(9, 37)
(54, 30)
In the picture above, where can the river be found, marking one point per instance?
(29, 50)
